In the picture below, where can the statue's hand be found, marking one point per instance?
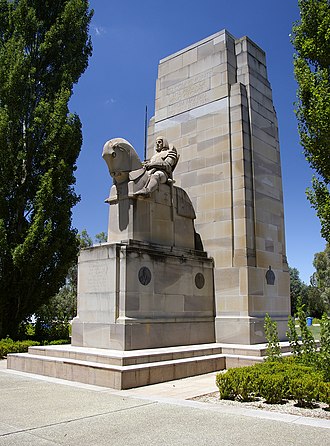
(157, 165)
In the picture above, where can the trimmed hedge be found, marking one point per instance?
(9, 346)
(275, 382)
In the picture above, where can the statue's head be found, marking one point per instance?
(161, 144)
(121, 159)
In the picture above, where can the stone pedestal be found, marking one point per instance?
(166, 218)
(137, 295)
(214, 103)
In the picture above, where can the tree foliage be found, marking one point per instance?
(321, 280)
(298, 290)
(44, 48)
(311, 40)
(101, 237)
(53, 317)
(315, 297)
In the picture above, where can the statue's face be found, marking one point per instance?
(159, 144)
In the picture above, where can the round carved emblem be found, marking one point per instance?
(199, 280)
(144, 275)
(270, 276)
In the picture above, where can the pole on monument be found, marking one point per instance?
(145, 133)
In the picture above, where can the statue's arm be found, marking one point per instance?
(171, 159)
(167, 164)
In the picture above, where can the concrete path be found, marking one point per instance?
(44, 411)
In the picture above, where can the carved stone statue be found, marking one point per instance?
(145, 205)
(160, 167)
(124, 165)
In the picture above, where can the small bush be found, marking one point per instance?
(308, 346)
(323, 358)
(58, 342)
(271, 387)
(224, 384)
(273, 342)
(305, 390)
(324, 392)
(237, 384)
(9, 346)
(293, 337)
(273, 381)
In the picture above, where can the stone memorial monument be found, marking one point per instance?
(214, 102)
(150, 286)
(195, 255)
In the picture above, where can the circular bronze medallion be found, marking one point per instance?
(144, 275)
(199, 280)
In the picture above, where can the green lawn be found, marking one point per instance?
(315, 329)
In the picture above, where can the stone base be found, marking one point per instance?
(136, 295)
(118, 369)
(142, 334)
(129, 369)
(247, 330)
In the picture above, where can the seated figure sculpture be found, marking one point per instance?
(144, 205)
(160, 167)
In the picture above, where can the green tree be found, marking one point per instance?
(316, 303)
(62, 306)
(44, 48)
(101, 237)
(53, 317)
(320, 299)
(298, 289)
(311, 40)
(84, 241)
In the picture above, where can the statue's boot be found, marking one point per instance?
(144, 192)
(150, 187)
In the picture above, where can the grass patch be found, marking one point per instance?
(315, 330)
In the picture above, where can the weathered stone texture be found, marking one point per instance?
(214, 102)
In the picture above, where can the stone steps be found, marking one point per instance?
(126, 358)
(134, 368)
(113, 375)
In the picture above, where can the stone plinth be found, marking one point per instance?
(165, 218)
(214, 103)
(128, 369)
(138, 295)
(119, 369)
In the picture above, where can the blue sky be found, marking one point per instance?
(129, 38)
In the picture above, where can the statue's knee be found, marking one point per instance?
(162, 177)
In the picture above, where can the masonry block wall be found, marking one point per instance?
(214, 103)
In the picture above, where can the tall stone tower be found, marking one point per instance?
(214, 103)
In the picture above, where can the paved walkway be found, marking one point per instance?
(45, 411)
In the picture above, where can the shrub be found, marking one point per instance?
(243, 384)
(324, 394)
(324, 355)
(305, 389)
(274, 381)
(273, 342)
(308, 346)
(293, 337)
(224, 384)
(237, 384)
(9, 346)
(271, 387)
(58, 342)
